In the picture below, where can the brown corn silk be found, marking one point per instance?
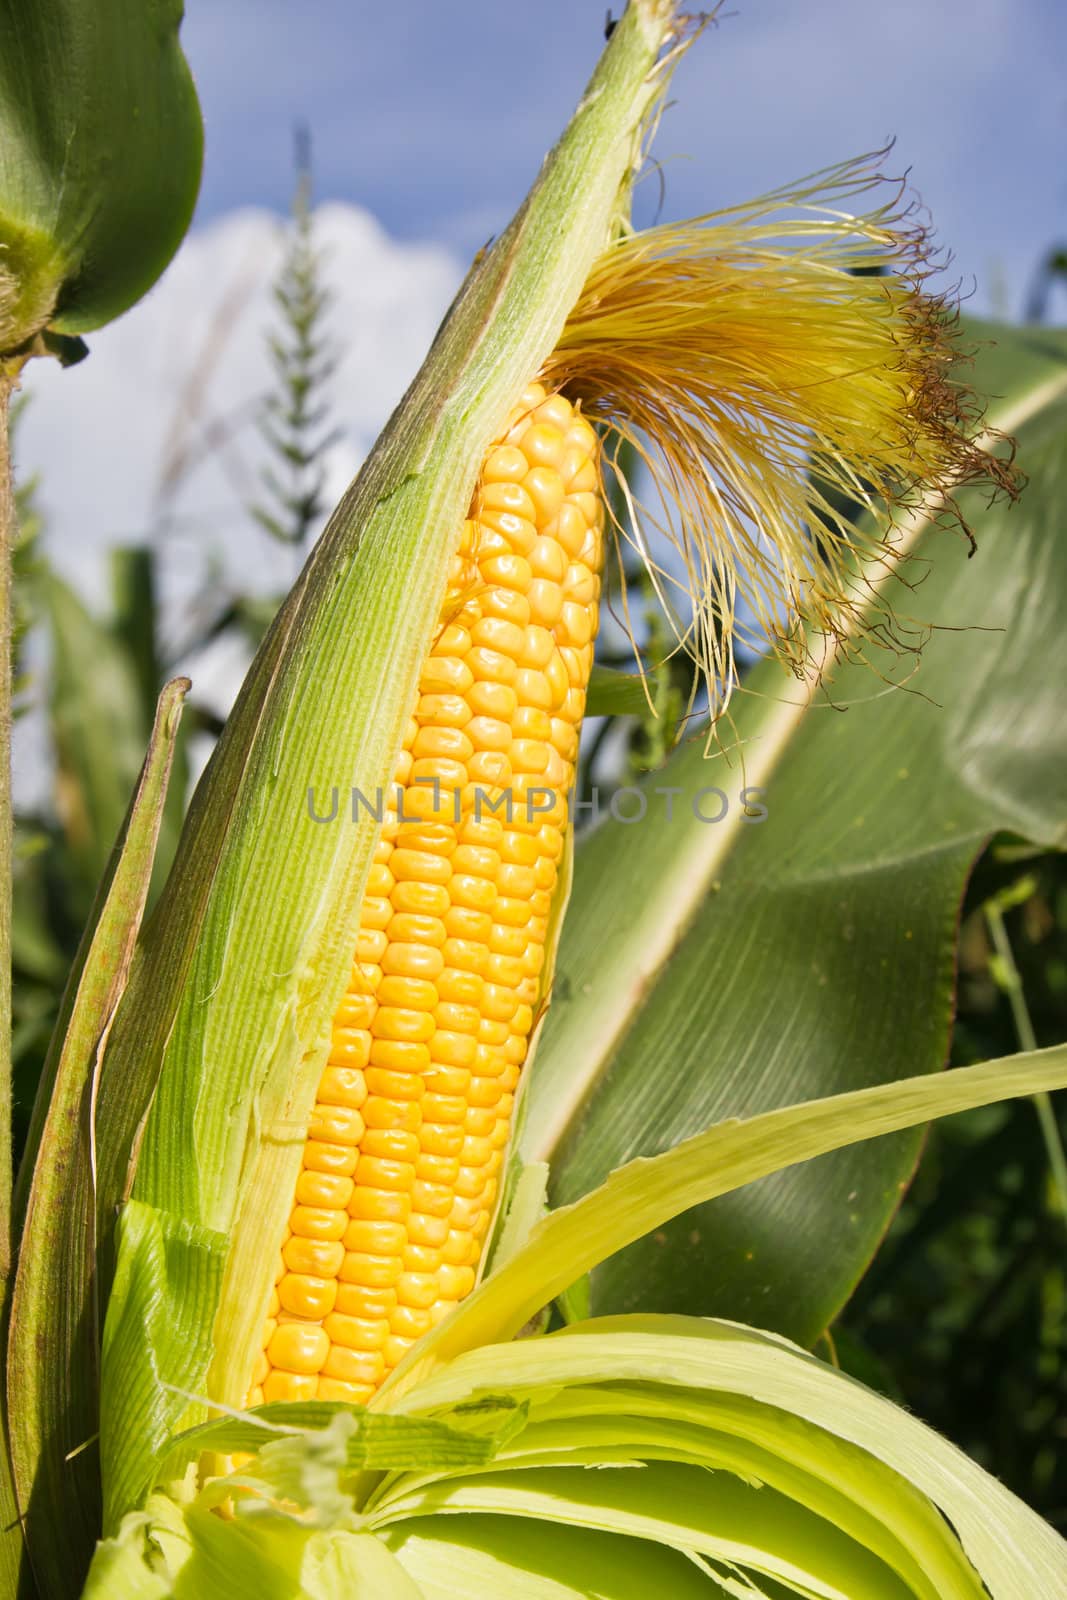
(403, 1156)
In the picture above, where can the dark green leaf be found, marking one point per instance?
(710, 970)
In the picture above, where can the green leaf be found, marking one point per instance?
(53, 1399)
(100, 153)
(378, 1441)
(648, 1192)
(513, 1558)
(744, 1404)
(615, 694)
(714, 969)
(98, 733)
(156, 1345)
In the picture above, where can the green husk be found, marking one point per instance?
(226, 1017)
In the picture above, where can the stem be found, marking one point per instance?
(1012, 984)
(7, 540)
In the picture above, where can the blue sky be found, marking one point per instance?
(434, 114)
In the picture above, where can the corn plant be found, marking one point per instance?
(338, 1159)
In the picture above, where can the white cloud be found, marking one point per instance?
(154, 436)
(155, 433)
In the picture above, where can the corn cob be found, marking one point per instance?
(403, 1154)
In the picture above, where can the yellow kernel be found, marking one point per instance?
(376, 910)
(514, 534)
(400, 1055)
(510, 571)
(457, 1017)
(380, 1205)
(513, 912)
(439, 1139)
(571, 528)
(356, 1333)
(507, 604)
(349, 1394)
(415, 994)
(446, 743)
(409, 927)
(428, 1230)
(358, 1367)
(378, 1172)
(420, 866)
(545, 488)
(532, 688)
(490, 666)
(453, 640)
(462, 922)
(489, 733)
(506, 971)
(492, 1031)
(374, 1272)
(412, 961)
(461, 985)
(445, 1080)
(362, 1301)
(499, 1004)
(505, 463)
(576, 623)
(557, 679)
(395, 1350)
(443, 674)
(304, 1296)
(548, 560)
(491, 699)
(349, 1047)
(442, 711)
(442, 1170)
(452, 1049)
(440, 1108)
(322, 1189)
(335, 1125)
(515, 1050)
(531, 722)
(466, 955)
(376, 1238)
(390, 1144)
(484, 1091)
(476, 894)
(369, 944)
(381, 1113)
(455, 1282)
(516, 877)
(545, 600)
(338, 1160)
(490, 770)
(543, 444)
(480, 1121)
(393, 1085)
(529, 755)
(457, 1250)
(314, 1258)
(471, 1185)
(410, 1322)
(421, 899)
(431, 1199)
(312, 1222)
(298, 1347)
(416, 1289)
(395, 1022)
(290, 1386)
